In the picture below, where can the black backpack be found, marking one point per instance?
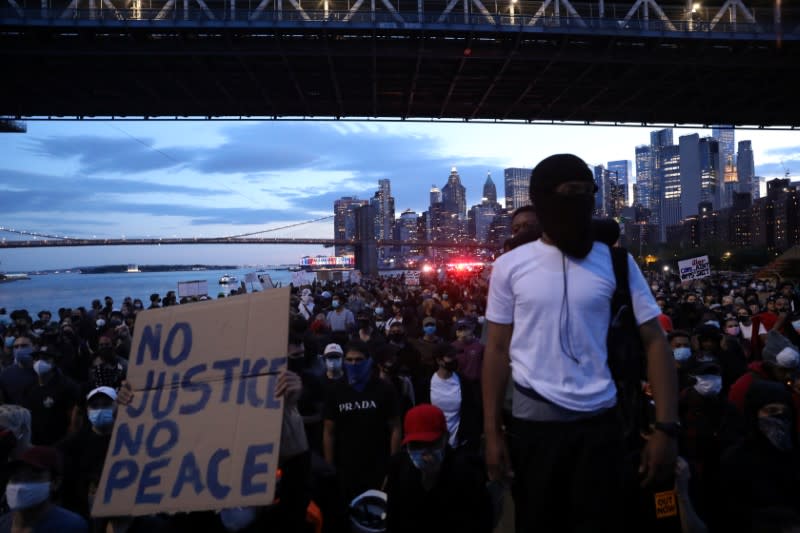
(625, 351)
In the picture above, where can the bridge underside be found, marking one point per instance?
(453, 71)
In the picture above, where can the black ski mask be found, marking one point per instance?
(565, 217)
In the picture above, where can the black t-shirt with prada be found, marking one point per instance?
(362, 425)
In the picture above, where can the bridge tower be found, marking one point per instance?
(366, 248)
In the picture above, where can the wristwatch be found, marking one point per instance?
(670, 428)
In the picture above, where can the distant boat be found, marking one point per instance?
(13, 277)
(133, 268)
(295, 268)
(224, 280)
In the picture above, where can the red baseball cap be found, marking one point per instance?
(424, 423)
(41, 458)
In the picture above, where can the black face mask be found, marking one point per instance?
(567, 220)
(296, 364)
(397, 338)
(452, 366)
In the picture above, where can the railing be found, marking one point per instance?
(528, 16)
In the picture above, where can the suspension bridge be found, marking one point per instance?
(364, 260)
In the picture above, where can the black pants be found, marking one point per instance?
(567, 475)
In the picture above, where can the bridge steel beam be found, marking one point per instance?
(401, 59)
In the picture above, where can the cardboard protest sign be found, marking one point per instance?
(303, 277)
(193, 288)
(412, 277)
(203, 429)
(695, 268)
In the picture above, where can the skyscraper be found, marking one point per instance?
(517, 187)
(384, 209)
(659, 139)
(454, 195)
(344, 221)
(746, 170)
(480, 219)
(407, 229)
(729, 185)
(620, 172)
(700, 173)
(644, 176)
(711, 171)
(436, 195)
(601, 198)
(726, 137)
(489, 189)
(670, 171)
(383, 204)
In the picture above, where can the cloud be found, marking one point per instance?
(782, 151)
(779, 169)
(34, 182)
(287, 171)
(96, 154)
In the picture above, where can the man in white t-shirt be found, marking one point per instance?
(548, 314)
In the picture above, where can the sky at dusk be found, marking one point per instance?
(218, 178)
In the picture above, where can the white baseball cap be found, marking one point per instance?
(333, 348)
(108, 391)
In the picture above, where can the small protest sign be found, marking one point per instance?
(193, 288)
(412, 277)
(203, 429)
(666, 504)
(303, 277)
(695, 268)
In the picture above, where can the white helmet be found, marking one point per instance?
(368, 512)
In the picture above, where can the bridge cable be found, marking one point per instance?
(278, 228)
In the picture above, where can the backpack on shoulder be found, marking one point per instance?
(625, 352)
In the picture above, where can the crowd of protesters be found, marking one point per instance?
(390, 400)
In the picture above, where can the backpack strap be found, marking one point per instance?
(622, 292)
(619, 259)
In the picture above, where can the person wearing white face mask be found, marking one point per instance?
(306, 305)
(711, 423)
(51, 400)
(34, 477)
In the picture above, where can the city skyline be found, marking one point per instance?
(221, 178)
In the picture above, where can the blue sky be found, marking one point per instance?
(113, 179)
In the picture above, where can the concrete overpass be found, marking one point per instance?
(636, 61)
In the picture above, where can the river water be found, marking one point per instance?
(52, 291)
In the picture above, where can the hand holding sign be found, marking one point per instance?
(202, 430)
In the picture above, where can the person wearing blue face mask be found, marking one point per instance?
(33, 479)
(340, 318)
(85, 450)
(19, 377)
(361, 424)
(431, 487)
(51, 399)
(427, 345)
